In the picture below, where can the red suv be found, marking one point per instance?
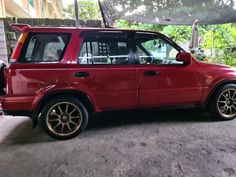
(64, 75)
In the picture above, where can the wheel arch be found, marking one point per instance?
(216, 88)
(83, 97)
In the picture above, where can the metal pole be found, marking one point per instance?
(103, 16)
(76, 13)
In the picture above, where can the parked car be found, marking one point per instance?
(64, 75)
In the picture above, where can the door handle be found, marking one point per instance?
(150, 73)
(81, 74)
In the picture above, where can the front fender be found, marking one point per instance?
(217, 86)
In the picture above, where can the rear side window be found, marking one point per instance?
(44, 47)
(104, 51)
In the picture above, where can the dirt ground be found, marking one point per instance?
(184, 143)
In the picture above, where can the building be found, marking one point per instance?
(31, 8)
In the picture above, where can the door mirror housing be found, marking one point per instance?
(186, 58)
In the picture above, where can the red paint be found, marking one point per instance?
(173, 85)
(110, 87)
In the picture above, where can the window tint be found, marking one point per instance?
(45, 47)
(156, 51)
(111, 51)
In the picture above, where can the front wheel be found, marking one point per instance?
(64, 117)
(223, 104)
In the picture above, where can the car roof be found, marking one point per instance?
(26, 28)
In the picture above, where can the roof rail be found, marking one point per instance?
(20, 27)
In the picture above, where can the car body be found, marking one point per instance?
(103, 69)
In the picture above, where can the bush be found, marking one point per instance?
(227, 58)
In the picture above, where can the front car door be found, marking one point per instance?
(163, 81)
(111, 79)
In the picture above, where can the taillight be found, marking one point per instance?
(18, 47)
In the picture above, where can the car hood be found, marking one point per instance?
(217, 66)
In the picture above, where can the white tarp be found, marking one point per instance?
(183, 12)
(193, 45)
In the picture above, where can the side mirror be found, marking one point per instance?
(186, 58)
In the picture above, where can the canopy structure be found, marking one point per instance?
(172, 12)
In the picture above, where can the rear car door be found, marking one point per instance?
(104, 69)
(163, 81)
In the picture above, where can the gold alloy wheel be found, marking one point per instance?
(64, 118)
(226, 103)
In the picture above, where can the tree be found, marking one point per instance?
(138, 25)
(88, 10)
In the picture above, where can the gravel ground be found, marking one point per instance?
(184, 143)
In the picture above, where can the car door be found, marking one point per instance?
(163, 81)
(105, 70)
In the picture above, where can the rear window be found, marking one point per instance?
(44, 47)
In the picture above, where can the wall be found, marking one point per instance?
(2, 9)
(3, 48)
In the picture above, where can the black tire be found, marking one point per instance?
(220, 103)
(59, 110)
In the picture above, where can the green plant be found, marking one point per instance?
(88, 10)
(229, 58)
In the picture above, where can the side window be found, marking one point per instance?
(156, 51)
(30, 49)
(108, 51)
(53, 50)
(44, 47)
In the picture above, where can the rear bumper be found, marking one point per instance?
(17, 106)
(17, 103)
(18, 113)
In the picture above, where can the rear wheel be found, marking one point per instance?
(64, 117)
(223, 104)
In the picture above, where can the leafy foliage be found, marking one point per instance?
(137, 25)
(180, 34)
(230, 59)
(88, 10)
